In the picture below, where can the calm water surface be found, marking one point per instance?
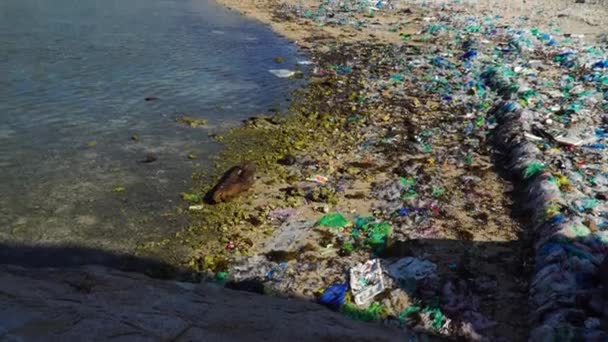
(73, 78)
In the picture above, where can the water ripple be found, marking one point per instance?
(73, 78)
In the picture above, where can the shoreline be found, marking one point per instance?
(442, 176)
(445, 200)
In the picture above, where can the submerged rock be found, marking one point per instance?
(236, 180)
(150, 158)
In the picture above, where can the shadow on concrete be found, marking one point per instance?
(58, 256)
(500, 264)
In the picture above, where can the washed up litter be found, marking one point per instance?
(366, 281)
(431, 317)
(319, 179)
(409, 271)
(369, 232)
(333, 297)
(335, 220)
(289, 235)
(281, 214)
(277, 272)
(537, 99)
(282, 73)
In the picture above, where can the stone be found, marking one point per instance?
(43, 303)
(287, 160)
(236, 180)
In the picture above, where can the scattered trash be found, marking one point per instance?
(432, 317)
(333, 297)
(476, 86)
(281, 214)
(366, 281)
(318, 179)
(277, 272)
(289, 236)
(282, 73)
(409, 271)
(333, 221)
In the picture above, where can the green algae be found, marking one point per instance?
(191, 121)
(311, 126)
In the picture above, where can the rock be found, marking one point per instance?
(235, 181)
(150, 158)
(98, 304)
(287, 160)
(261, 121)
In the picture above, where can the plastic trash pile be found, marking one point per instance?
(549, 120)
(547, 97)
(338, 12)
(539, 99)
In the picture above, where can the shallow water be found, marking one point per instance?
(73, 78)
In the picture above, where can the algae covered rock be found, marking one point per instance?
(236, 180)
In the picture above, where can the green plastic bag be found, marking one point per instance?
(333, 220)
(533, 169)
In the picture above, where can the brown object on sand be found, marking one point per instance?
(235, 181)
